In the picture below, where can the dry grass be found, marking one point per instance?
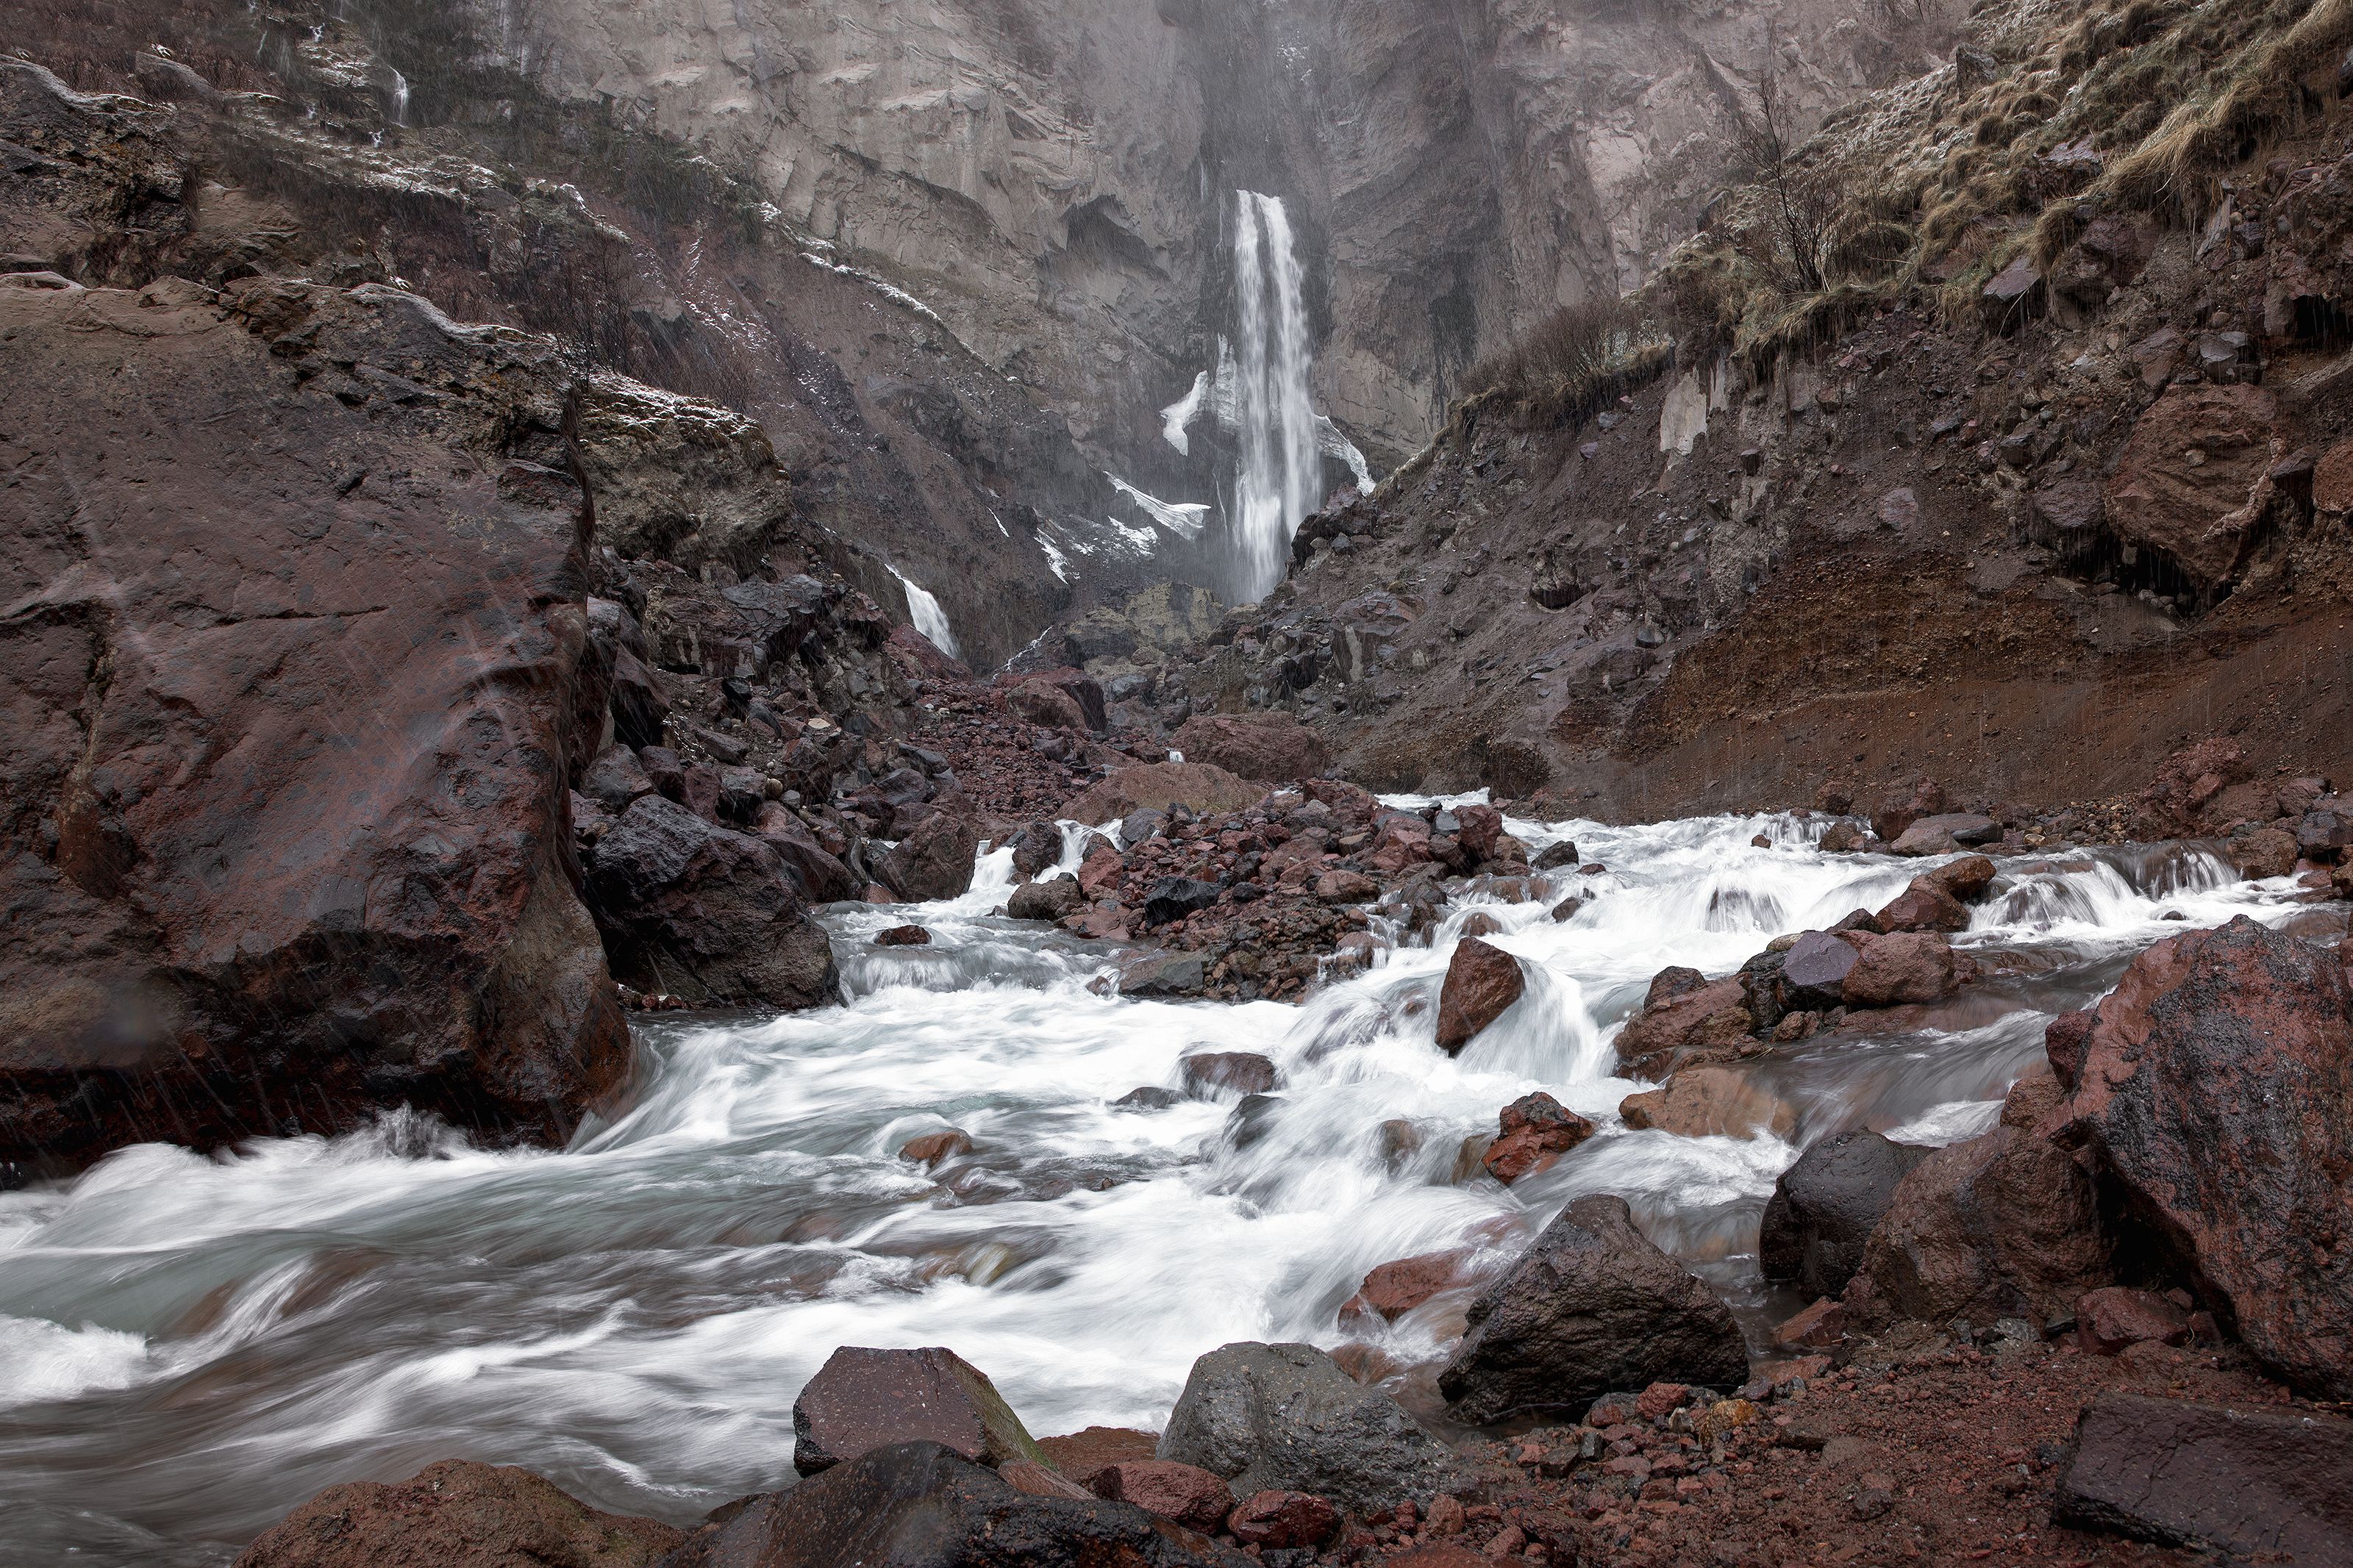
(1579, 358)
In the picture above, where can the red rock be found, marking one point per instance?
(1283, 1520)
(1196, 786)
(1345, 887)
(1536, 1130)
(1818, 1327)
(1273, 747)
(2109, 1318)
(2190, 480)
(1046, 704)
(863, 1399)
(1481, 827)
(1660, 1400)
(1364, 1364)
(1712, 1018)
(2187, 786)
(1101, 871)
(1393, 1289)
(1907, 967)
(1079, 1454)
(1814, 970)
(1481, 982)
(935, 860)
(1040, 1480)
(932, 1148)
(2266, 852)
(903, 936)
(1401, 843)
(1708, 1102)
(1923, 907)
(456, 1514)
(1193, 1497)
(2217, 1092)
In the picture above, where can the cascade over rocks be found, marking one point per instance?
(456, 1514)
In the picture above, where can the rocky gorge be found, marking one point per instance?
(684, 889)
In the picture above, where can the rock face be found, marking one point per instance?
(866, 1399)
(2191, 483)
(1285, 1418)
(1592, 1307)
(1273, 747)
(2216, 1090)
(1481, 982)
(2251, 1483)
(456, 1514)
(1824, 1209)
(704, 913)
(919, 1505)
(198, 568)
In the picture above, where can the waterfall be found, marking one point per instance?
(923, 613)
(399, 99)
(1280, 470)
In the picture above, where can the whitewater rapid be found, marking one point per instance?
(193, 1344)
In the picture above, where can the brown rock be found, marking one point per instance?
(1342, 886)
(1712, 1018)
(1046, 704)
(2217, 1092)
(456, 1514)
(1079, 1455)
(1481, 982)
(1536, 1130)
(1198, 788)
(1923, 907)
(2266, 852)
(935, 861)
(1191, 1496)
(2258, 1484)
(1210, 1073)
(1393, 1289)
(1046, 900)
(1844, 839)
(1906, 968)
(1820, 1327)
(2191, 483)
(1273, 747)
(2109, 1318)
(1283, 1521)
(932, 1148)
(1708, 1101)
(1029, 1476)
(903, 936)
(866, 1399)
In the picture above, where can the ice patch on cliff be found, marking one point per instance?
(1176, 419)
(1183, 519)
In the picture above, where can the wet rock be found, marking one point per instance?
(934, 1149)
(1185, 1493)
(1213, 1074)
(934, 861)
(1150, 1098)
(1908, 967)
(1036, 845)
(1046, 900)
(1824, 1209)
(1392, 1290)
(1560, 856)
(1844, 839)
(704, 913)
(2254, 1483)
(1536, 1130)
(903, 936)
(2002, 1225)
(1196, 786)
(1342, 886)
(1284, 1417)
(1923, 908)
(1818, 1327)
(1591, 1307)
(1479, 829)
(1481, 982)
(1273, 747)
(617, 780)
(2064, 1040)
(864, 1399)
(1814, 971)
(821, 877)
(1174, 897)
(1568, 908)
(1139, 826)
(639, 701)
(1966, 879)
(920, 1505)
(1283, 1520)
(1252, 1120)
(456, 1514)
(1038, 1480)
(1705, 1102)
(2217, 1092)
(1710, 1019)
(2266, 852)
(1163, 975)
(2114, 1317)
(1943, 834)
(2326, 828)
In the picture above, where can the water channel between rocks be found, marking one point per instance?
(192, 1346)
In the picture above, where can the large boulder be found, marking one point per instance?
(2259, 1485)
(2191, 482)
(288, 682)
(1481, 982)
(864, 1399)
(1593, 1305)
(704, 913)
(935, 860)
(1708, 1019)
(2002, 1225)
(1285, 1418)
(1274, 747)
(1824, 1209)
(919, 1505)
(1196, 786)
(456, 1514)
(2216, 1092)
(1904, 968)
(1709, 1102)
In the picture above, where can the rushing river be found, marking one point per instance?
(191, 1345)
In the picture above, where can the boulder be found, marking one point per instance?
(1824, 1209)
(1906, 968)
(1185, 1493)
(2191, 483)
(932, 1149)
(1591, 1307)
(821, 878)
(1393, 1289)
(865, 1399)
(1968, 880)
(1163, 975)
(1046, 900)
(920, 1505)
(1036, 847)
(1712, 1018)
(285, 760)
(1708, 1102)
(2002, 1226)
(1283, 1521)
(616, 778)
(1273, 747)
(2116, 1317)
(1814, 971)
(1080, 1453)
(1212, 1074)
(456, 1514)
(2216, 1093)
(2266, 852)
(2325, 830)
(1196, 786)
(1174, 897)
(2257, 1484)
(1285, 1418)
(1481, 982)
(1342, 886)
(935, 861)
(903, 936)
(1923, 907)
(1043, 703)
(1943, 834)
(1560, 856)
(1535, 1131)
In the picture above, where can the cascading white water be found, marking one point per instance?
(1281, 468)
(923, 613)
(399, 99)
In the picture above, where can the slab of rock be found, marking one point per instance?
(921, 1504)
(457, 1514)
(1814, 972)
(1908, 967)
(1711, 1018)
(1824, 1209)
(1708, 1101)
(1534, 1132)
(1049, 900)
(935, 860)
(864, 1399)
(1945, 833)
(903, 936)
(1196, 786)
(1481, 982)
(821, 878)
(1273, 747)
(932, 1147)
(1185, 1493)
(1285, 1418)
(2216, 1090)
(2260, 1484)
(1591, 1307)
(1174, 897)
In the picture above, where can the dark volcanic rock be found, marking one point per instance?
(1825, 1208)
(1283, 1418)
(1036, 845)
(1592, 1307)
(1814, 971)
(284, 761)
(2217, 1090)
(456, 1514)
(705, 913)
(2257, 1484)
(1481, 982)
(864, 1399)
(1163, 975)
(1174, 897)
(917, 1505)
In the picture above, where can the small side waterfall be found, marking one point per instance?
(924, 613)
(1280, 472)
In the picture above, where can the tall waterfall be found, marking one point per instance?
(1280, 470)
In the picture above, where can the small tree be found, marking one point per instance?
(1800, 205)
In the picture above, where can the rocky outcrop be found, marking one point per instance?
(1274, 747)
(456, 1514)
(200, 651)
(2215, 1091)
(1198, 788)
(2247, 1482)
(1592, 1307)
(1824, 1209)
